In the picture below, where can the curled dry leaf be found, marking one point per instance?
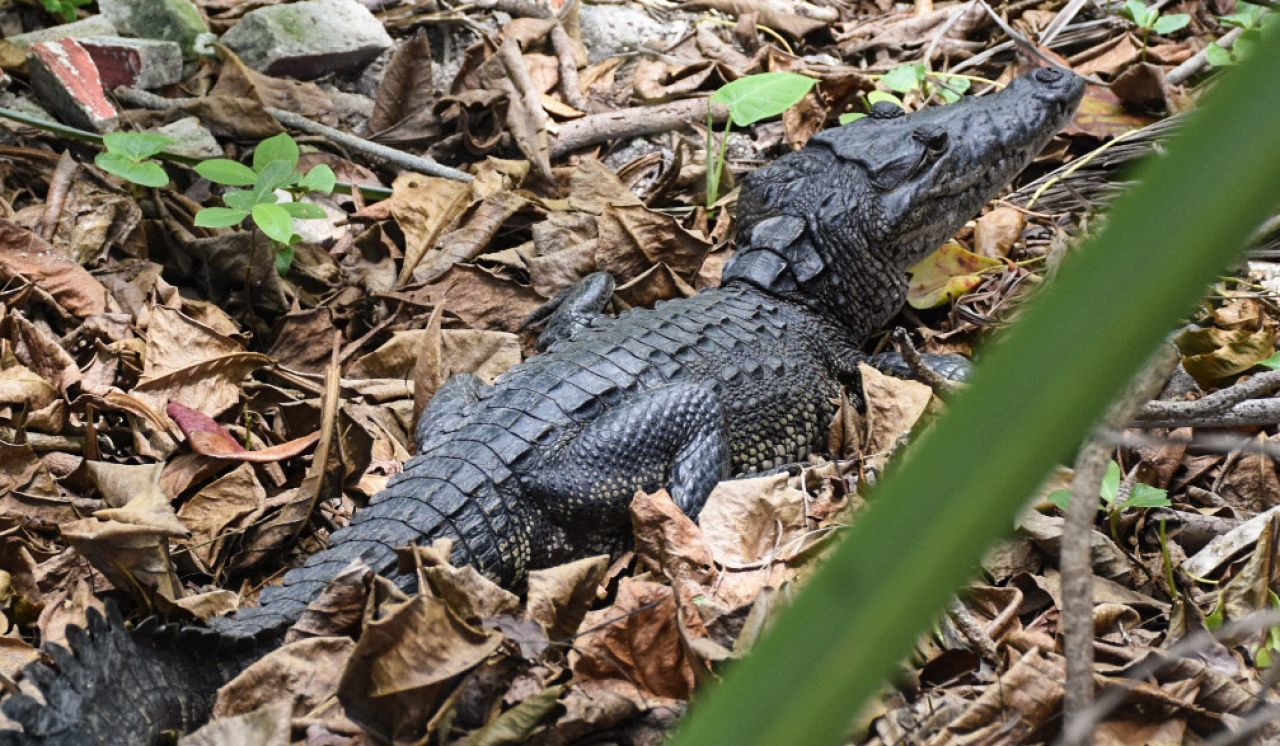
(268, 725)
(339, 607)
(894, 405)
(214, 513)
(484, 353)
(997, 231)
(301, 674)
(27, 258)
(945, 275)
(208, 438)
(403, 664)
(423, 207)
(20, 385)
(1027, 697)
(1211, 354)
(560, 596)
(636, 640)
(668, 541)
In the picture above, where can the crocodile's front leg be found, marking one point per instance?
(673, 437)
(573, 309)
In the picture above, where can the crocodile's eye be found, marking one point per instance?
(934, 140)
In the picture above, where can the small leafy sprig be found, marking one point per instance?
(1251, 18)
(1149, 20)
(1141, 496)
(66, 10)
(129, 156)
(274, 170)
(750, 99)
(914, 77)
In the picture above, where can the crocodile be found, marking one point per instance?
(540, 466)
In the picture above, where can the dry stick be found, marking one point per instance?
(920, 369)
(1251, 412)
(1192, 65)
(1074, 561)
(1201, 443)
(1262, 384)
(1060, 21)
(531, 100)
(56, 197)
(973, 632)
(567, 63)
(1023, 43)
(633, 122)
(373, 150)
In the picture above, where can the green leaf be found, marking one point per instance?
(1217, 56)
(1170, 23)
(1247, 16)
(274, 221)
(905, 78)
(755, 97)
(1110, 483)
(876, 97)
(136, 146)
(148, 174)
(280, 148)
(1071, 350)
(220, 217)
(275, 175)
(241, 199)
(850, 117)
(284, 259)
(1247, 42)
(226, 171)
(319, 179)
(1060, 498)
(304, 210)
(1271, 362)
(951, 88)
(1146, 496)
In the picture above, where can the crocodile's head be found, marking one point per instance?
(837, 223)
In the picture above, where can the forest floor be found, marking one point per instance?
(190, 405)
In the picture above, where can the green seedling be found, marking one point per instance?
(1141, 497)
(750, 99)
(64, 10)
(129, 156)
(1149, 20)
(916, 78)
(1250, 18)
(274, 170)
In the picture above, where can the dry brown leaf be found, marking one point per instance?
(406, 90)
(780, 16)
(404, 662)
(475, 229)
(1026, 698)
(269, 725)
(27, 258)
(470, 595)
(636, 639)
(997, 231)
(598, 705)
(659, 282)
(633, 238)
(668, 541)
(213, 513)
(35, 347)
(21, 385)
(478, 298)
(748, 521)
(893, 407)
(208, 438)
(1250, 482)
(560, 596)
(593, 186)
(301, 674)
(237, 80)
(1109, 57)
(423, 207)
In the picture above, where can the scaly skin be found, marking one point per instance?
(539, 467)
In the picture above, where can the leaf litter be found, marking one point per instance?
(180, 423)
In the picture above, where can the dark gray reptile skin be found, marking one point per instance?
(539, 468)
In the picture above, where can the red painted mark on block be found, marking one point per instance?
(72, 68)
(117, 65)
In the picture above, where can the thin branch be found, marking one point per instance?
(636, 121)
(1260, 385)
(1192, 65)
(373, 150)
(1251, 412)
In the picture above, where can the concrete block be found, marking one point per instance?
(65, 79)
(178, 21)
(308, 39)
(91, 26)
(141, 63)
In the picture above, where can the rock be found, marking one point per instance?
(64, 77)
(308, 39)
(177, 21)
(191, 138)
(608, 30)
(141, 63)
(91, 26)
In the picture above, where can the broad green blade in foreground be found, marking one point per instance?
(1031, 402)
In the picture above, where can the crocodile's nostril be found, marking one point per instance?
(1048, 75)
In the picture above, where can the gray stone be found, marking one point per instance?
(608, 30)
(141, 63)
(308, 39)
(63, 75)
(191, 139)
(177, 21)
(91, 26)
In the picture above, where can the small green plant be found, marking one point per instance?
(1149, 20)
(275, 169)
(750, 99)
(1141, 496)
(1251, 18)
(65, 10)
(129, 156)
(914, 77)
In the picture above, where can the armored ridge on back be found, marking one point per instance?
(540, 467)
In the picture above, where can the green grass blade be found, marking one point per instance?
(1031, 402)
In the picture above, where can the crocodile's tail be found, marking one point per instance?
(119, 686)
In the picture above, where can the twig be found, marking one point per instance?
(1201, 443)
(973, 632)
(399, 158)
(1074, 558)
(1060, 21)
(636, 121)
(531, 103)
(920, 369)
(1192, 65)
(56, 197)
(1262, 384)
(1251, 412)
(567, 61)
(941, 33)
(1023, 43)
